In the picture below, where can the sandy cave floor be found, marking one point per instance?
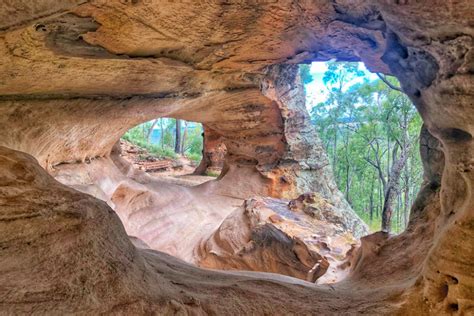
(180, 178)
(155, 208)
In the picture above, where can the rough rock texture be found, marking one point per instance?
(77, 74)
(97, 73)
(304, 165)
(66, 252)
(213, 154)
(272, 235)
(157, 214)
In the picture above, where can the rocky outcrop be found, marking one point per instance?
(77, 74)
(76, 250)
(278, 236)
(213, 154)
(304, 166)
(157, 213)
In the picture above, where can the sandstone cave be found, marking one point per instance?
(85, 229)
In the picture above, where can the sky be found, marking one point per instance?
(316, 92)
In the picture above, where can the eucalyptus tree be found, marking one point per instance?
(368, 128)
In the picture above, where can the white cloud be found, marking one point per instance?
(318, 68)
(316, 91)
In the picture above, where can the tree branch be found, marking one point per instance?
(372, 163)
(391, 86)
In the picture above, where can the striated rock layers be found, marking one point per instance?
(279, 236)
(77, 74)
(157, 214)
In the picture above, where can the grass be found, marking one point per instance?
(157, 150)
(194, 157)
(375, 224)
(152, 149)
(212, 174)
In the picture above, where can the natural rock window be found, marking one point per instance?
(174, 150)
(370, 130)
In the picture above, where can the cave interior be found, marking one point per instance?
(82, 231)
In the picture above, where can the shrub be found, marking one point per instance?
(165, 152)
(212, 174)
(196, 157)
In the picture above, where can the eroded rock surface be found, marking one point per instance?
(267, 235)
(77, 74)
(156, 212)
(213, 154)
(65, 252)
(273, 235)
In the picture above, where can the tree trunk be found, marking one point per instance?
(334, 150)
(380, 198)
(185, 134)
(348, 183)
(162, 134)
(177, 144)
(406, 201)
(389, 150)
(392, 187)
(399, 207)
(348, 167)
(406, 204)
(150, 130)
(371, 201)
(387, 210)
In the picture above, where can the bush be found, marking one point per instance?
(196, 157)
(212, 174)
(194, 141)
(165, 152)
(136, 137)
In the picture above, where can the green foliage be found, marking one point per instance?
(339, 74)
(305, 73)
(194, 157)
(212, 174)
(161, 152)
(134, 135)
(165, 148)
(194, 143)
(365, 124)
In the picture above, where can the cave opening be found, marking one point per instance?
(370, 130)
(174, 150)
(248, 194)
(224, 185)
